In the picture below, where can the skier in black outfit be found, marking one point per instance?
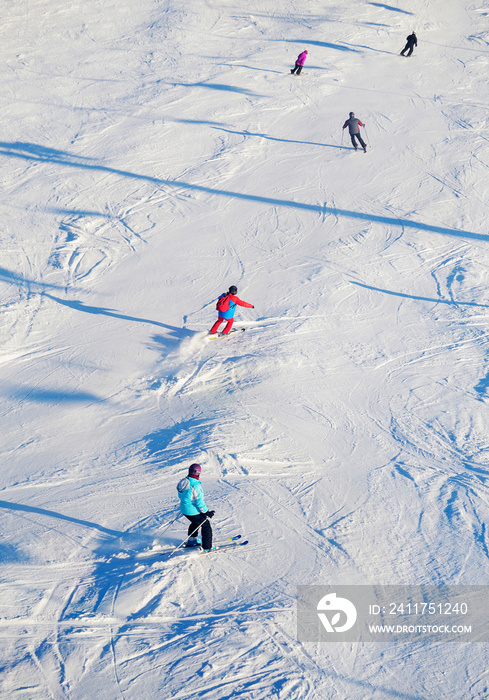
(411, 42)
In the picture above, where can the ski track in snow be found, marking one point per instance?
(152, 156)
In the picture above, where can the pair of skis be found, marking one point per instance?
(227, 543)
(215, 336)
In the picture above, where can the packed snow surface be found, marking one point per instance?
(154, 153)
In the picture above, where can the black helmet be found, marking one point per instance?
(352, 114)
(233, 289)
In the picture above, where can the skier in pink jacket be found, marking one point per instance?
(301, 59)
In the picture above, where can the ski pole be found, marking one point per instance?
(192, 534)
(170, 524)
(366, 134)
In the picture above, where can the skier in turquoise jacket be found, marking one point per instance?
(193, 507)
(228, 314)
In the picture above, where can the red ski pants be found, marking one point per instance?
(220, 320)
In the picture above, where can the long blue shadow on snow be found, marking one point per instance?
(273, 138)
(52, 396)
(101, 311)
(8, 505)
(371, 48)
(198, 122)
(450, 302)
(242, 65)
(14, 278)
(77, 212)
(221, 87)
(322, 44)
(18, 150)
(46, 153)
(389, 7)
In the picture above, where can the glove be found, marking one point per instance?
(210, 514)
(253, 307)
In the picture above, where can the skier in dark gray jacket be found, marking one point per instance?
(354, 125)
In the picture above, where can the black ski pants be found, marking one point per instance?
(357, 136)
(408, 46)
(297, 68)
(200, 521)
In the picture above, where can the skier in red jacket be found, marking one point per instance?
(227, 314)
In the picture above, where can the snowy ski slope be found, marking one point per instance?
(152, 154)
